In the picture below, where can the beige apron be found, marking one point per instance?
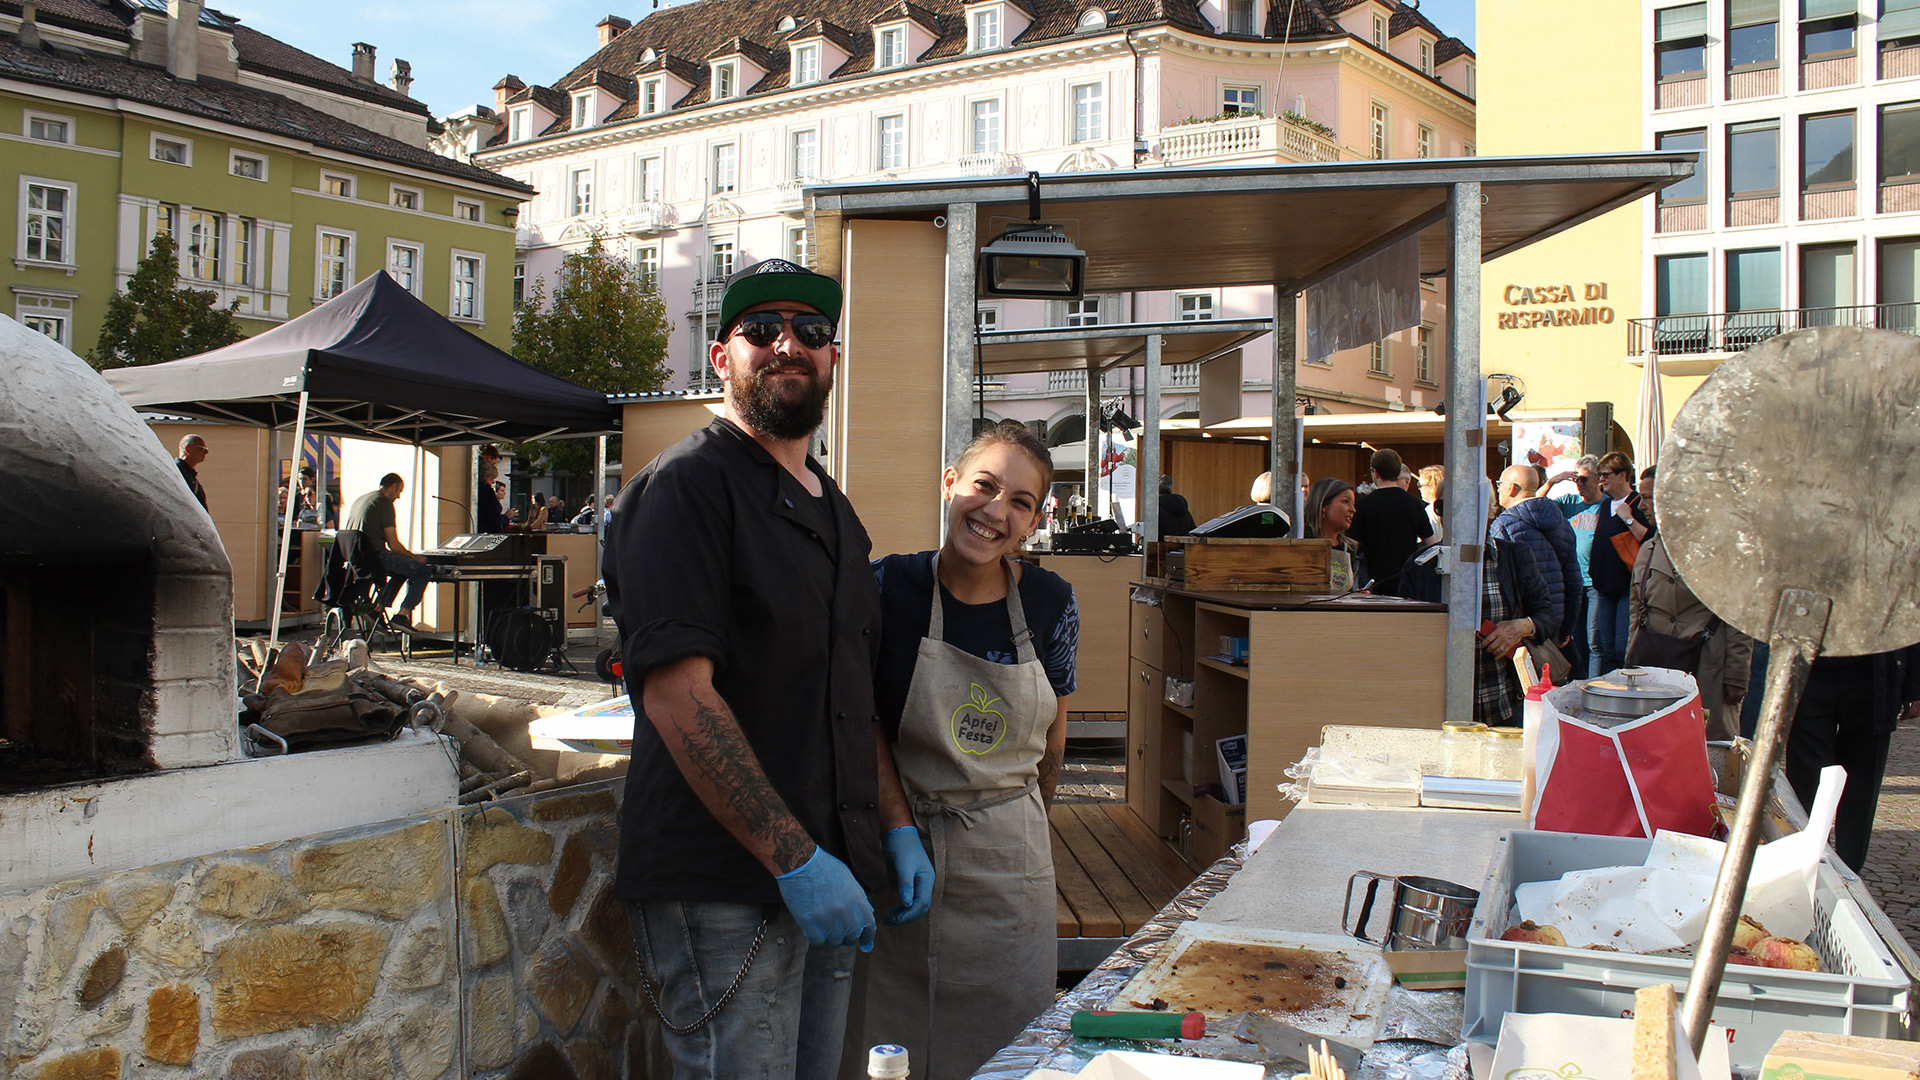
(956, 986)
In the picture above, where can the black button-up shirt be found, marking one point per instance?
(717, 551)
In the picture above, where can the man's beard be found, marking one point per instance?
(767, 410)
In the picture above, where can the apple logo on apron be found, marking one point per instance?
(977, 725)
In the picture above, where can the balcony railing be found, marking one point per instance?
(708, 293)
(991, 163)
(646, 219)
(1248, 139)
(787, 196)
(1735, 331)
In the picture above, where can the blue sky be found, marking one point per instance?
(460, 48)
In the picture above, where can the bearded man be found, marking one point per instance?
(750, 836)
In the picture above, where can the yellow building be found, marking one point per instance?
(1556, 313)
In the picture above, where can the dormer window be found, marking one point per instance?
(583, 110)
(785, 25)
(726, 81)
(892, 50)
(648, 56)
(1239, 16)
(1092, 19)
(1379, 31)
(517, 124)
(1426, 57)
(806, 64)
(985, 28)
(650, 97)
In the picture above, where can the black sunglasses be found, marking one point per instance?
(762, 328)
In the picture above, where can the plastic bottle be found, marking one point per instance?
(1532, 714)
(887, 1062)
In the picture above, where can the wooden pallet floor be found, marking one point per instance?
(1111, 873)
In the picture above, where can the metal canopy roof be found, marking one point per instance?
(1151, 229)
(1097, 348)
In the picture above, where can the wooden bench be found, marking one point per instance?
(1111, 875)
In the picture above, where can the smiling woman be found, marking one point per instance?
(976, 662)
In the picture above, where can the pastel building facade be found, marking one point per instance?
(686, 140)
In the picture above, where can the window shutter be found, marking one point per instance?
(1899, 19)
(1680, 23)
(1828, 9)
(1752, 12)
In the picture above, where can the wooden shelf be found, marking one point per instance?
(1231, 613)
(1181, 709)
(1210, 662)
(1179, 790)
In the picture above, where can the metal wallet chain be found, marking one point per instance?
(646, 986)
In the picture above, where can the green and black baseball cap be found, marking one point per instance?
(778, 279)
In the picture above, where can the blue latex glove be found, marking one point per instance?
(912, 874)
(826, 901)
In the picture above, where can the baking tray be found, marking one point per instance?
(1353, 1014)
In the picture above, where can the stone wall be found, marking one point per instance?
(352, 955)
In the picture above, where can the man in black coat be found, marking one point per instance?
(1847, 716)
(1175, 517)
(1389, 522)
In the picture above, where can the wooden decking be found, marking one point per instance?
(1111, 875)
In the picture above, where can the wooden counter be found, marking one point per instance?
(1312, 661)
(1101, 585)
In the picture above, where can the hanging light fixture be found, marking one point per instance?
(1035, 260)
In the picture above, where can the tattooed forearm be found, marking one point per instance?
(720, 766)
(1049, 774)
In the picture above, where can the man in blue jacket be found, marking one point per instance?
(1539, 524)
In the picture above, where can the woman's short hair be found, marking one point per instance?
(1324, 490)
(1434, 478)
(1017, 435)
(1616, 462)
(1262, 488)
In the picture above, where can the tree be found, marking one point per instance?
(155, 320)
(605, 329)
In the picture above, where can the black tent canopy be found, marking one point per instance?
(373, 363)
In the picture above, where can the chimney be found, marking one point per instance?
(183, 39)
(402, 79)
(363, 63)
(611, 27)
(29, 27)
(503, 90)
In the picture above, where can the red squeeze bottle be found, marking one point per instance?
(1100, 1024)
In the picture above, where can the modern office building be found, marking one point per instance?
(1805, 209)
(283, 179)
(686, 139)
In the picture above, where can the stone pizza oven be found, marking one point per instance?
(116, 596)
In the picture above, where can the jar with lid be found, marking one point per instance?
(1502, 753)
(1460, 747)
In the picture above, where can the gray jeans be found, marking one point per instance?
(790, 1013)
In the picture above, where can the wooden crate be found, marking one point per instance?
(1231, 565)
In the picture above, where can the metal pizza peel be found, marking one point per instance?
(1789, 499)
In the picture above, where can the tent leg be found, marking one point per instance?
(286, 531)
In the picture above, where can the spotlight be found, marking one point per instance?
(1035, 260)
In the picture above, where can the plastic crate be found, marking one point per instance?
(1861, 990)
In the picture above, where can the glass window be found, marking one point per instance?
(1753, 159)
(1826, 281)
(1753, 33)
(1423, 358)
(1693, 188)
(804, 155)
(582, 104)
(1900, 143)
(797, 245)
(519, 285)
(648, 180)
(205, 233)
(646, 266)
(516, 125)
(249, 168)
(403, 262)
(336, 264)
(466, 211)
(1899, 296)
(1899, 21)
(650, 96)
(1378, 128)
(893, 143)
(726, 167)
(1680, 34)
(986, 29)
(806, 64)
(1239, 16)
(1379, 31)
(720, 261)
(171, 151)
(986, 318)
(1826, 150)
(243, 252)
(48, 212)
(163, 217)
(47, 129)
(1196, 307)
(1753, 280)
(1240, 100)
(1089, 112)
(406, 198)
(337, 185)
(1377, 359)
(1423, 142)
(1083, 312)
(723, 81)
(1681, 288)
(893, 48)
(1822, 39)
(986, 126)
(580, 184)
(54, 326)
(466, 287)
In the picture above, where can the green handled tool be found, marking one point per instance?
(1100, 1024)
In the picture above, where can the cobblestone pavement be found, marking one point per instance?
(1893, 860)
(1093, 771)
